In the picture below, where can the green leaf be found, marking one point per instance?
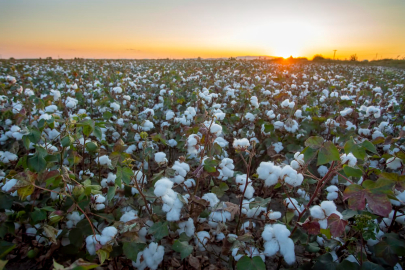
(38, 215)
(107, 115)
(36, 163)
(35, 135)
(247, 263)
(111, 192)
(259, 202)
(371, 266)
(390, 248)
(369, 146)
(350, 171)
(357, 150)
(314, 142)
(26, 141)
(210, 164)
(76, 237)
(220, 190)
(97, 132)
(84, 226)
(328, 153)
(325, 262)
(159, 230)
(183, 247)
(5, 248)
(124, 174)
(309, 154)
(6, 201)
(131, 249)
(347, 265)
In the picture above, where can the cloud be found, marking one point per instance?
(135, 50)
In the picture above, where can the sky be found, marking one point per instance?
(201, 28)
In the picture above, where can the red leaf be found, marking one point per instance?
(356, 195)
(336, 225)
(312, 227)
(376, 194)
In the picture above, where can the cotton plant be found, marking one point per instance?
(159, 112)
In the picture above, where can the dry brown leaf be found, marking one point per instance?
(232, 208)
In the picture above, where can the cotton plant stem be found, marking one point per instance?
(243, 193)
(318, 186)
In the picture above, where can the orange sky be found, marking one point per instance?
(208, 28)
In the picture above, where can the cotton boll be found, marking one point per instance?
(346, 111)
(128, 216)
(291, 177)
(268, 172)
(150, 257)
(317, 212)
(332, 192)
(109, 231)
(153, 255)
(187, 227)
(281, 232)
(329, 207)
(9, 185)
(211, 198)
(287, 250)
(241, 144)
(162, 186)
(250, 117)
(160, 158)
(394, 163)
(201, 240)
(278, 147)
(181, 170)
(273, 215)
(103, 160)
(241, 181)
(322, 170)
(271, 247)
(348, 159)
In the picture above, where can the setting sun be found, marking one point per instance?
(209, 29)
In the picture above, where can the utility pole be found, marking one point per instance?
(334, 53)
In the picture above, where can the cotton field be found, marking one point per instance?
(213, 164)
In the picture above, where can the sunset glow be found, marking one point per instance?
(208, 29)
